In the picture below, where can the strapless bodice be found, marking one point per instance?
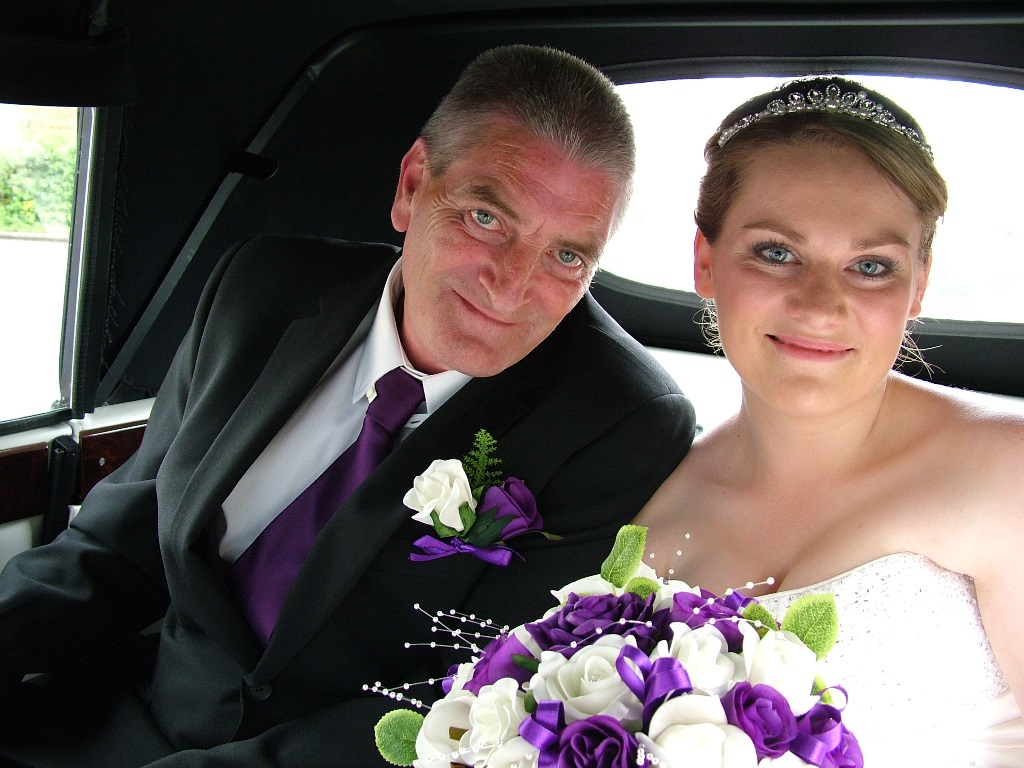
(924, 686)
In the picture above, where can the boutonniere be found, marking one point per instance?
(471, 508)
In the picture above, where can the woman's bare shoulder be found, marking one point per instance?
(989, 422)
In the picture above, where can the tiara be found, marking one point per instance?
(832, 100)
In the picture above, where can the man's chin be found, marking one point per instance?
(479, 361)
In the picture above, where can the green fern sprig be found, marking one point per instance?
(480, 463)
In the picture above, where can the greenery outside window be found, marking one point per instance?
(38, 157)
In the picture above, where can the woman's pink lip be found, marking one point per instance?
(803, 346)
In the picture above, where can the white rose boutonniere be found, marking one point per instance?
(442, 489)
(472, 510)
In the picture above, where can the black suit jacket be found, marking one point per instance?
(588, 420)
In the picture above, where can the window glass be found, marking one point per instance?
(977, 272)
(38, 155)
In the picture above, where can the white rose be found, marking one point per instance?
(781, 660)
(517, 752)
(691, 731)
(788, 760)
(435, 747)
(463, 674)
(704, 654)
(595, 585)
(669, 589)
(494, 718)
(443, 488)
(588, 683)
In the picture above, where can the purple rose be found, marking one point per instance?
(823, 724)
(764, 715)
(513, 499)
(582, 620)
(496, 662)
(597, 742)
(694, 611)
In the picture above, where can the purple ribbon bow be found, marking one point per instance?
(653, 683)
(543, 729)
(434, 548)
(820, 732)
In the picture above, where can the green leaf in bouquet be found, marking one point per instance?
(820, 688)
(395, 735)
(626, 554)
(443, 530)
(530, 703)
(487, 529)
(815, 620)
(528, 663)
(755, 612)
(642, 586)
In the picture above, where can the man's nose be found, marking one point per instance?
(509, 276)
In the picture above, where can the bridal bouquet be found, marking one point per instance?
(632, 670)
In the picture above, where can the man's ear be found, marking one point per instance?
(703, 283)
(410, 177)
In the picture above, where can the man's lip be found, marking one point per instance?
(485, 313)
(810, 346)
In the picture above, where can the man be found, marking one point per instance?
(506, 201)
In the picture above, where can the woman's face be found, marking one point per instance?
(814, 275)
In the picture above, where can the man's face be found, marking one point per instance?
(498, 249)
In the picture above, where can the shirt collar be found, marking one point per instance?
(382, 351)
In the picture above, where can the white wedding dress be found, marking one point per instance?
(924, 687)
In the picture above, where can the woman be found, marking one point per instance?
(838, 474)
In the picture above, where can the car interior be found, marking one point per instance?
(195, 125)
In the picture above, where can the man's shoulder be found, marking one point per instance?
(305, 257)
(590, 342)
(284, 270)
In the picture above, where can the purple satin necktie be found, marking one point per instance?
(264, 573)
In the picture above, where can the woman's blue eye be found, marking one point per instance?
(872, 268)
(775, 254)
(484, 218)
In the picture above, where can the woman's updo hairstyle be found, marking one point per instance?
(893, 142)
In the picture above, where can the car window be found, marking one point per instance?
(38, 157)
(976, 268)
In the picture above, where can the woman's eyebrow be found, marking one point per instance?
(867, 243)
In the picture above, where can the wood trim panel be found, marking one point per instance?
(103, 450)
(24, 488)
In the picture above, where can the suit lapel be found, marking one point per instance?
(298, 360)
(374, 512)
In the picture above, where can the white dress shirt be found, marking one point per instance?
(327, 422)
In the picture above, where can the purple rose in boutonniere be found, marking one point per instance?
(471, 508)
(512, 499)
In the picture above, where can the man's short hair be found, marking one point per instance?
(552, 94)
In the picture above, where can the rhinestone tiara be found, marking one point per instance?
(832, 100)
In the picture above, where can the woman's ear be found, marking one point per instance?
(411, 175)
(703, 282)
(922, 284)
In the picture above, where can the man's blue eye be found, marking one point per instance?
(484, 219)
(568, 257)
